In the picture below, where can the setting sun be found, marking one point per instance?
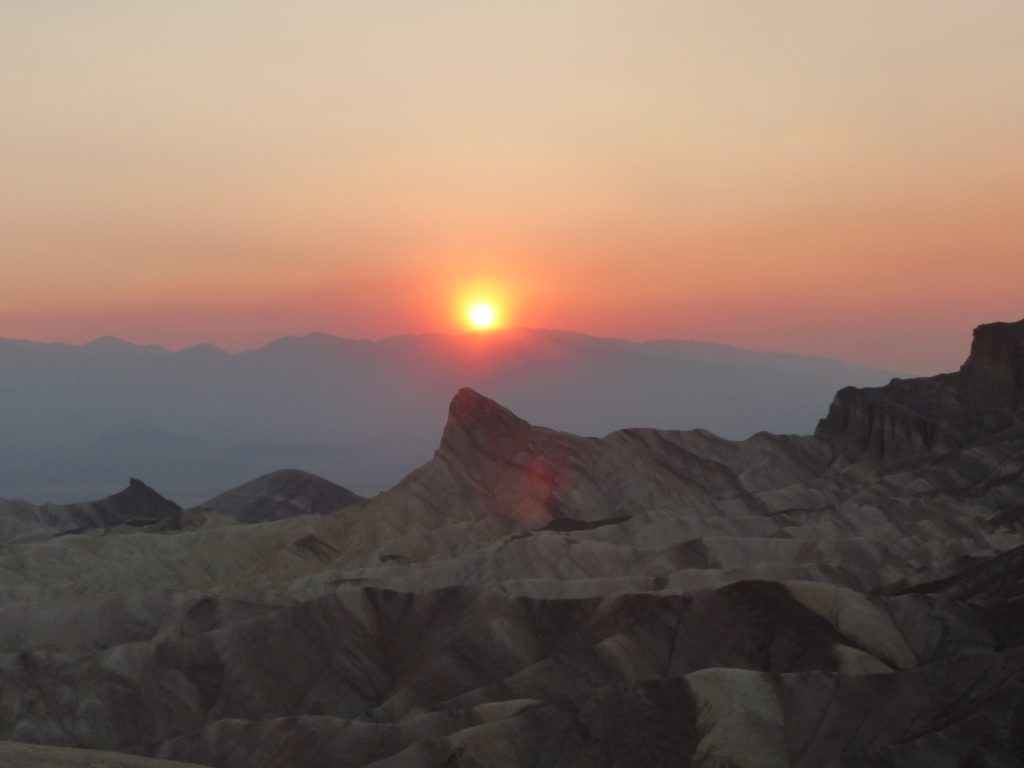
(481, 316)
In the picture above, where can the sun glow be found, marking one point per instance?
(481, 316)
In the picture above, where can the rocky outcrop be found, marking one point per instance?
(995, 367)
(895, 422)
(941, 414)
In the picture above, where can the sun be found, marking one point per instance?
(481, 316)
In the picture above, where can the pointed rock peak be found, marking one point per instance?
(478, 417)
(470, 405)
(138, 493)
(996, 362)
(136, 486)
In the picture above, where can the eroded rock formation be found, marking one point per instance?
(530, 597)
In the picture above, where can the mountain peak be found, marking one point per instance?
(108, 342)
(478, 419)
(280, 494)
(205, 349)
(469, 406)
(142, 500)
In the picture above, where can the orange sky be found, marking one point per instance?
(838, 178)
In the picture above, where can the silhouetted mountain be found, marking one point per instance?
(533, 597)
(361, 414)
(137, 503)
(285, 493)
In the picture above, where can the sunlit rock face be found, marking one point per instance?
(532, 597)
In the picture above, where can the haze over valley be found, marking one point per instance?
(79, 421)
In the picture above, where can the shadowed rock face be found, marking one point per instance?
(138, 503)
(996, 364)
(941, 414)
(275, 496)
(531, 597)
(281, 494)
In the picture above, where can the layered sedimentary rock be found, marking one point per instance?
(531, 597)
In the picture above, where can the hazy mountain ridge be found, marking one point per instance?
(275, 496)
(282, 494)
(138, 503)
(359, 413)
(531, 597)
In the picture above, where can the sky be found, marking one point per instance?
(843, 178)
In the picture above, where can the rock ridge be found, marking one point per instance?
(136, 503)
(909, 418)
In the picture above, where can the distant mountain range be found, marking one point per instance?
(274, 496)
(77, 420)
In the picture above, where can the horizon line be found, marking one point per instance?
(110, 338)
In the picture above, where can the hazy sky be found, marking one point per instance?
(841, 178)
